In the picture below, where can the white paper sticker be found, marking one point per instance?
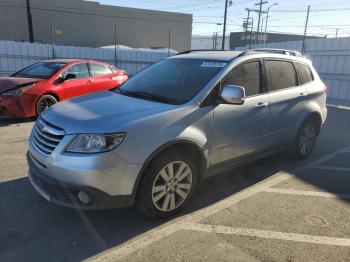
(213, 64)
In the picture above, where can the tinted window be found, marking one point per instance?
(79, 70)
(174, 81)
(40, 70)
(280, 74)
(304, 72)
(247, 76)
(99, 69)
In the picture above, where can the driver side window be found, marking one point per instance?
(246, 75)
(79, 70)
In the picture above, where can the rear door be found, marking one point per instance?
(80, 85)
(287, 98)
(102, 77)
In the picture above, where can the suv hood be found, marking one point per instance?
(101, 112)
(7, 83)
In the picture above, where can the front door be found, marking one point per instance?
(79, 85)
(239, 130)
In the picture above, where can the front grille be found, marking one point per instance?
(46, 137)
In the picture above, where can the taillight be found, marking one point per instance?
(325, 88)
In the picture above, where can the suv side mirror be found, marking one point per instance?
(233, 94)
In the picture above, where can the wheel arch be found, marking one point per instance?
(183, 145)
(310, 115)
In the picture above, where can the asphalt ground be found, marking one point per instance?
(275, 209)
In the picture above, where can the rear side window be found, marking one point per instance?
(304, 72)
(280, 74)
(246, 75)
(99, 69)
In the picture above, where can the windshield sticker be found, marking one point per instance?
(213, 64)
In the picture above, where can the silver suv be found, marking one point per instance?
(175, 123)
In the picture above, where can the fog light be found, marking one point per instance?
(84, 197)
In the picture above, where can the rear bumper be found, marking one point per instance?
(66, 194)
(17, 106)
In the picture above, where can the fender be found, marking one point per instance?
(164, 147)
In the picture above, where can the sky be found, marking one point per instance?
(288, 16)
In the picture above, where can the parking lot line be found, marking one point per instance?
(267, 234)
(332, 168)
(305, 193)
(178, 224)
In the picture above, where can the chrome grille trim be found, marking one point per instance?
(46, 137)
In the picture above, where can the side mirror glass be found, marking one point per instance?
(61, 79)
(70, 76)
(233, 94)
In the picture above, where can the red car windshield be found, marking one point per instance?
(42, 70)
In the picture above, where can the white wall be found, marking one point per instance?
(15, 55)
(331, 58)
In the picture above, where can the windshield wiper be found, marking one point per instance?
(149, 96)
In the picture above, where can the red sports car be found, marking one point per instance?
(31, 90)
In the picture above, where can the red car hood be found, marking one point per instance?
(7, 83)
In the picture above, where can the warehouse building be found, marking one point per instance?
(91, 24)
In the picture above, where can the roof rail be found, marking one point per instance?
(274, 51)
(200, 50)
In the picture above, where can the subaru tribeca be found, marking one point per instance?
(175, 123)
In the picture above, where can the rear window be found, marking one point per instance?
(304, 72)
(281, 74)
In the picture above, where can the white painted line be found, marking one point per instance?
(175, 225)
(136, 244)
(332, 168)
(268, 234)
(305, 193)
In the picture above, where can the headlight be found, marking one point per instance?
(95, 143)
(17, 91)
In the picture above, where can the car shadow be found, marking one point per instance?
(34, 229)
(15, 121)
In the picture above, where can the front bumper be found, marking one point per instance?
(17, 106)
(66, 194)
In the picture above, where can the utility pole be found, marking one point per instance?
(52, 40)
(169, 42)
(224, 30)
(267, 18)
(251, 34)
(115, 44)
(336, 32)
(306, 24)
(30, 22)
(260, 12)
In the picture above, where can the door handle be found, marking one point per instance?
(303, 94)
(89, 82)
(261, 105)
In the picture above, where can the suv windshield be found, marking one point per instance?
(40, 70)
(173, 81)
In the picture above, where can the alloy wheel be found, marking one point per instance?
(307, 139)
(172, 186)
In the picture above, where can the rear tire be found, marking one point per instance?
(167, 185)
(44, 102)
(305, 139)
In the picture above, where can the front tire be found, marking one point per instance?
(305, 139)
(45, 102)
(167, 185)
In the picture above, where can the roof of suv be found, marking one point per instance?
(221, 55)
(210, 55)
